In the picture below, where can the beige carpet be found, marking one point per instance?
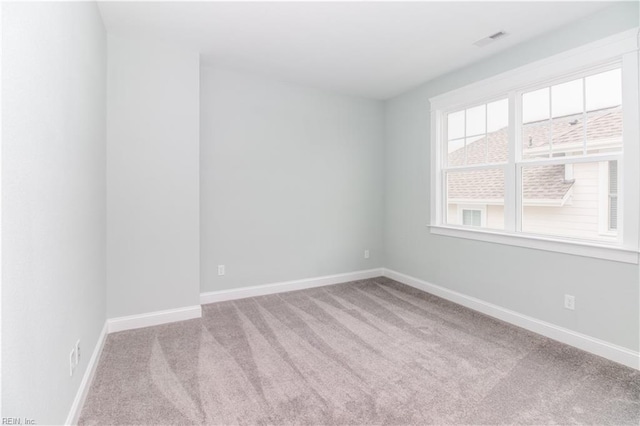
(367, 352)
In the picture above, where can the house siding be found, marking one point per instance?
(579, 217)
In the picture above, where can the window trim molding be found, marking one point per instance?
(622, 47)
(566, 246)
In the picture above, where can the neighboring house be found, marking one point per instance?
(578, 200)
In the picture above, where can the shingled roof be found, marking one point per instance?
(539, 182)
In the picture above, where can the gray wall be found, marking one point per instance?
(528, 281)
(152, 177)
(53, 202)
(348, 186)
(291, 181)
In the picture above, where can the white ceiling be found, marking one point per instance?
(370, 49)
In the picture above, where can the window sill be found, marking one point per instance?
(595, 250)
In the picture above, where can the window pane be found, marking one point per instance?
(469, 143)
(561, 136)
(455, 153)
(478, 187)
(535, 106)
(476, 121)
(604, 130)
(565, 200)
(498, 146)
(497, 115)
(455, 125)
(567, 135)
(536, 127)
(566, 98)
(477, 150)
(567, 124)
(604, 90)
(536, 138)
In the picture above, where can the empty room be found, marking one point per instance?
(320, 213)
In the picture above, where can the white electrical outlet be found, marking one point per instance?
(220, 269)
(569, 302)
(366, 254)
(78, 352)
(72, 361)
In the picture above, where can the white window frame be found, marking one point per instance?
(622, 48)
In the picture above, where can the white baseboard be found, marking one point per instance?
(261, 290)
(120, 324)
(87, 379)
(590, 344)
(154, 318)
(587, 343)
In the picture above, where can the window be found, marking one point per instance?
(476, 158)
(567, 129)
(468, 215)
(543, 150)
(471, 217)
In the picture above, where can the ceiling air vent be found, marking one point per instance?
(490, 39)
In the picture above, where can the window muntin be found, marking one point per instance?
(573, 118)
(476, 138)
(564, 128)
(471, 133)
